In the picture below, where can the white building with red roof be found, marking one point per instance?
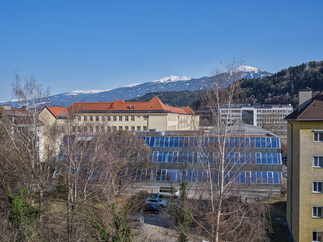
(120, 115)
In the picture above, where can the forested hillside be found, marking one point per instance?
(283, 86)
(176, 99)
(280, 88)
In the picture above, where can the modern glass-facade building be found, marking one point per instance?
(251, 157)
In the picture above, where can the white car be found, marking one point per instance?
(157, 201)
(168, 192)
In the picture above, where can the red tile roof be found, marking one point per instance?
(57, 111)
(312, 111)
(154, 104)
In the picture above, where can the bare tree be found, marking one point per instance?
(22, 162)
(219, 212)
(24, 133)
(96, 167)
(228, 213)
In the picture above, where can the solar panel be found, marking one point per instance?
(270, 177)
(262, 142)
(269, 159)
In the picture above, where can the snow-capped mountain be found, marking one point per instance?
(172, 78)
(170, 83)
(249, 72)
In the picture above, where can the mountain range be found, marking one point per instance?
(279, 88)
(170, 83)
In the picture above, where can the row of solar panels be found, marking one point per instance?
(171, 175)
(195, 157)
(231, 142)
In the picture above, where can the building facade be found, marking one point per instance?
(267, 116)
(305, 168)
(253, 158)
(89, 118)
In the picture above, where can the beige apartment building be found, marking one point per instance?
(305, 168)
(119, 115)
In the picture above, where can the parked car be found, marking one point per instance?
(136, 221)
(152, 208)
(167, 192)
(157, 201)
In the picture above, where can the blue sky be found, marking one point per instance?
(84, 45)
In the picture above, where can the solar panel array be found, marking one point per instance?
(196, 157)
(240, 150)
(231, 142)
(174, 175)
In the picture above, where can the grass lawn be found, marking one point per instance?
(278, 217)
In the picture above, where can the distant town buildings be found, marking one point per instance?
(305, 168)
(267, 116)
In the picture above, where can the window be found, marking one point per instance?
(108, 118)
(318, 136)
(145, 128)
(108, 128)
(317, 212)
(317, 236)
(73, 129)
(114, 128)
(120, 118)
(145, 117)
(103, 118)
(132, 127)
(126, 118)
(85, 129)
(317, 187)
(138, 128)
(79, 118)
(97, 118)
(79, 129)
(91, 128)
(318, 160)
(102, 128)
(114, 118)
(91, 118)
(85, 118)
(132, 118)
(97, 129)
(126, 127)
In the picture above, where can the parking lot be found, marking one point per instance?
(163, 219)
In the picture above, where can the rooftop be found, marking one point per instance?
(256, 105)
(311, 112)
(154, 105)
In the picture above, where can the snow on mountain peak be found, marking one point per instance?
(248, 69)
(76, 92)
(132, 85)
(172, 78)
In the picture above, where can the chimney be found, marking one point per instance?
(304, 98)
